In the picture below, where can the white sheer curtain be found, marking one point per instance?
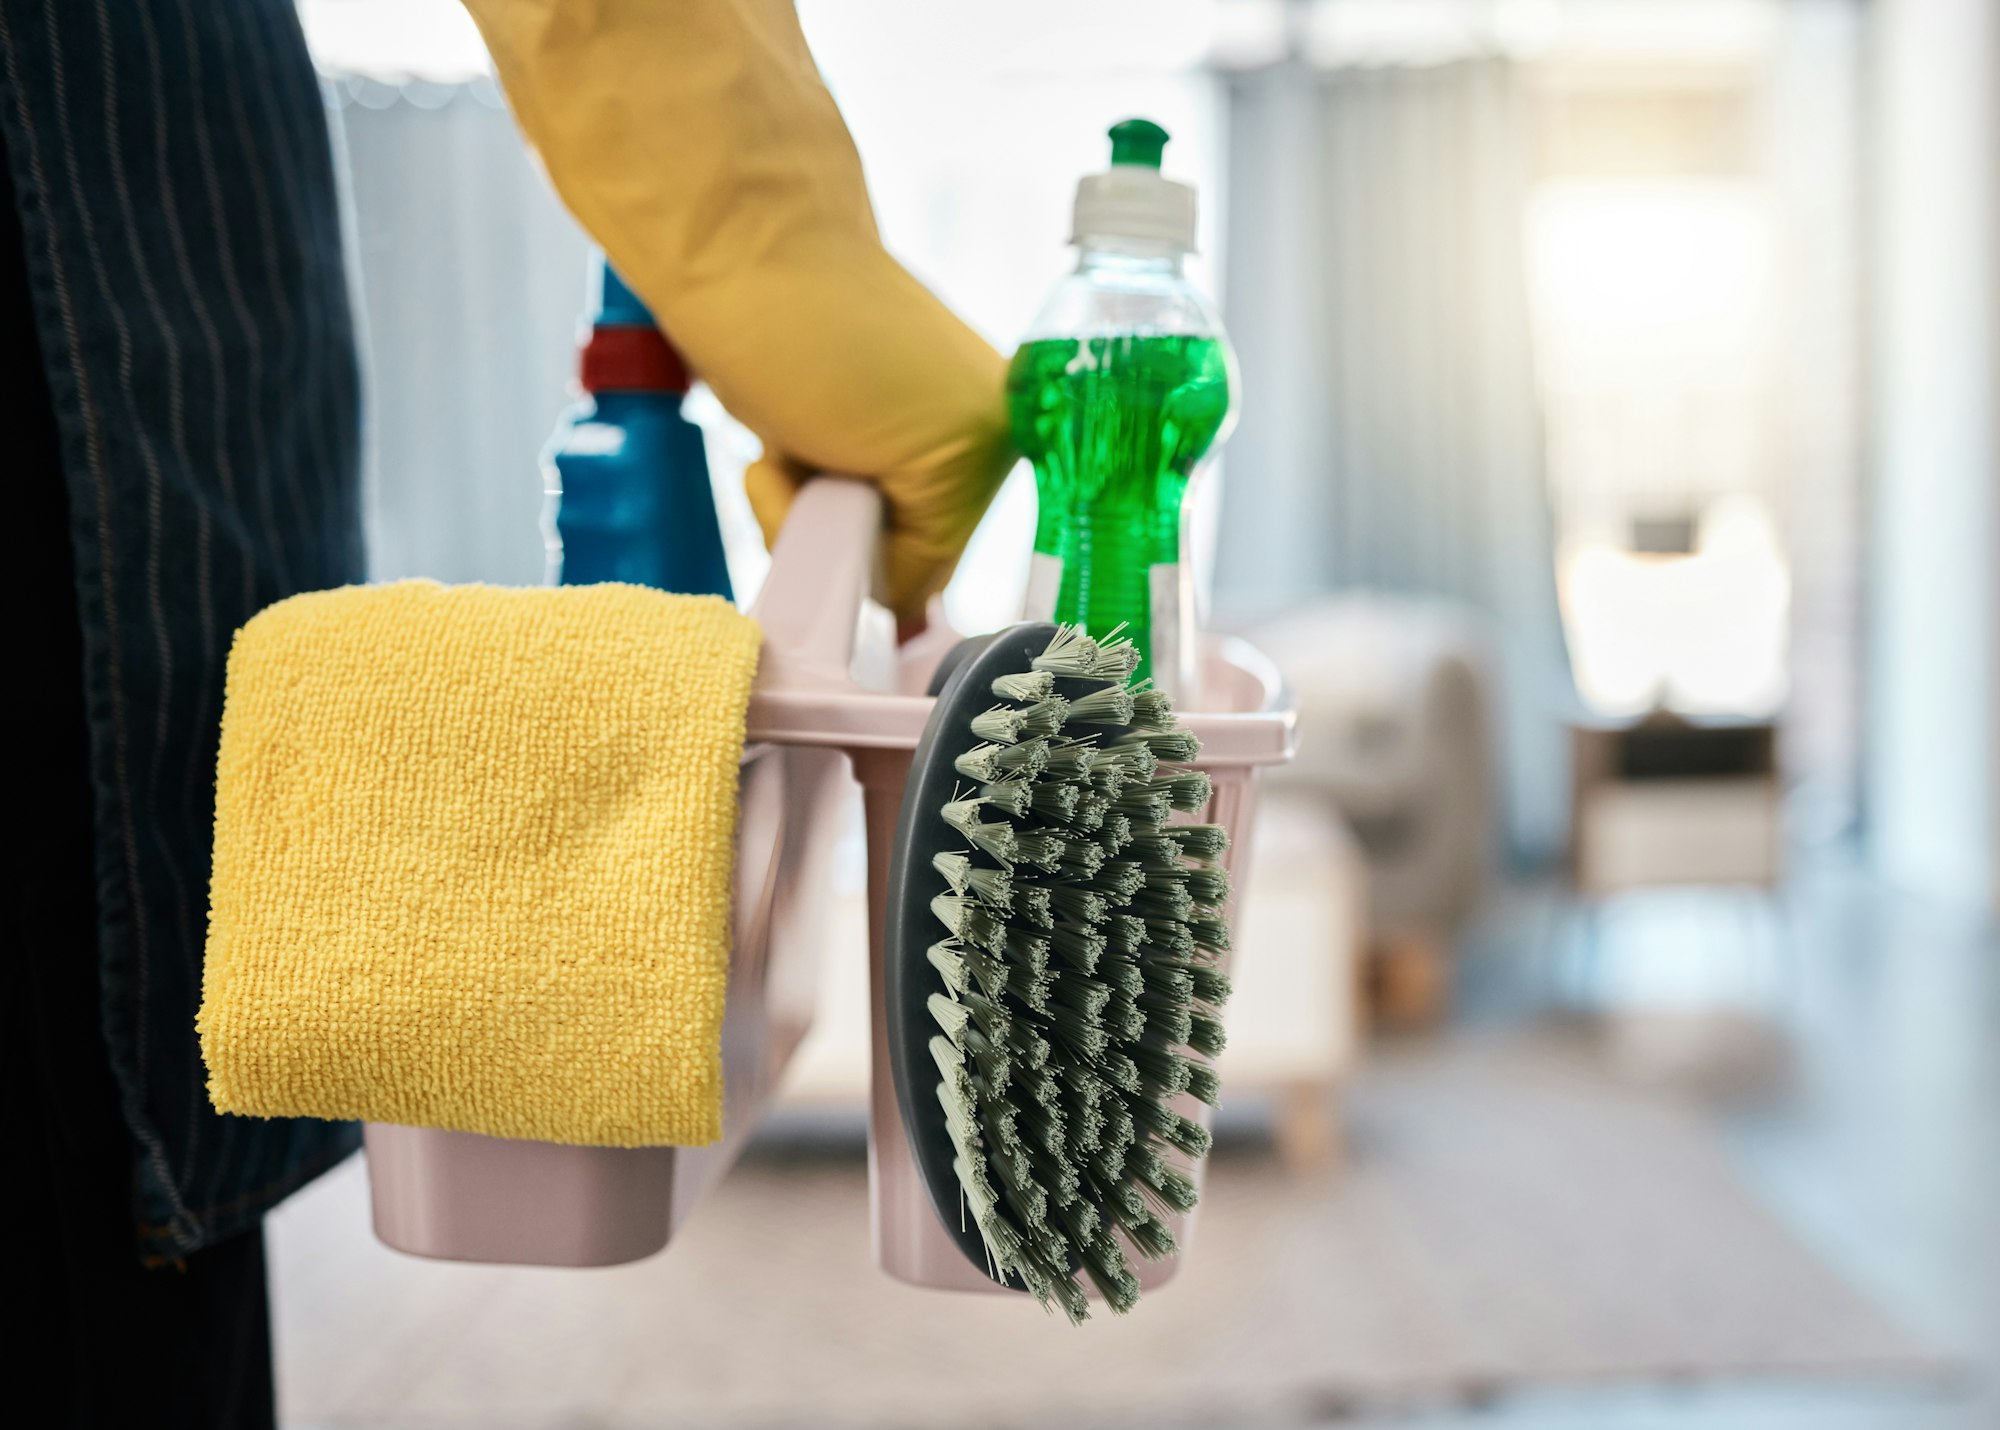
(1390, 438)
(470, 277)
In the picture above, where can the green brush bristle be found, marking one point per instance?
(1031, 988)
(1173, 747)
(1081, 859)
(1120, 1199)
(1169, 903)
(956, 1093)
(1070, 1297)
(1151, 709)
(1009, 796)
(1025, 688)
(950, 1014)
(1078, 905)
(1122, 1016)
(1002, 724)
(1120, 879)
(1205, 1034)
(990, 1017)
(1071, 653)
(1121, 973)
(1077, 946)
(1045, 719)
(1178, 1132)
(1024, 946)
(1105, 1173)
(1124, 933)
(1160, 1065)
(1186, 790)
(1111, 705)
(1131, 758)
(1071, 759)
(1040, 848)
(1208, 884)
(1211, 984)
(1199, 841)
(1166, 1017)
(1105, 1264)
(1054, 1175)
(1042, 1126)
(1139, 802)
(1085, 1127)
(997, 1123)
(1054, 799)
(969, 919)
(1029, 1048)
(1078, 1032)
(1003, 1242)
(1120, 1071)
(956, 868)
(1079, 974)
(993, 887)
(1115, 661)
(949, 960)
(995, 837)
(989, 762)
(1032, 904)
(1025, 1197)
(1169, 937)
(1172, 1188)
(991, 1067)
(1083, 996)
(1079, 1218)
(1150, 1237)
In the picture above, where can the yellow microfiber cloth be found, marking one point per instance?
(473, 854)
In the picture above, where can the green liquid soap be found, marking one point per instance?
(1114, 427)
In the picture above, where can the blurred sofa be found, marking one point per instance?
(1395, 737)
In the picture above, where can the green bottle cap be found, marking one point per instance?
(1137, 143)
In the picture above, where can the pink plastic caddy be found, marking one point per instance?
(463, 1197)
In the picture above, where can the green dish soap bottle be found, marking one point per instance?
(1123, 384)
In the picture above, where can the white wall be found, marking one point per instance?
(1933, 766)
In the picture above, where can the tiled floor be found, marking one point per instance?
(1847, 1038)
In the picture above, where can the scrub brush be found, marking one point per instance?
(1052, 963)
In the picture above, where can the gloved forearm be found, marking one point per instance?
(696, 143)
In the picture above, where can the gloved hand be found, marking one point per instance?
(695, 141)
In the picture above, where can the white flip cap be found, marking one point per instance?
(1133, 199)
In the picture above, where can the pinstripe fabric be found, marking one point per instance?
(176, 195)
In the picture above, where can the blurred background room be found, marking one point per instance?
(1617, 486)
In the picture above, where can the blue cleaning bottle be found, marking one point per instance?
(626, 475)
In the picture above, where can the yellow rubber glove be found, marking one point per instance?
(695, 141)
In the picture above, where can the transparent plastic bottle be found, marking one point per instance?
(1124, 383)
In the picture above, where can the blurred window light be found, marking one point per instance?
(1702, 633)
(1654, 306)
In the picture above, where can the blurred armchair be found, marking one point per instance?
(1394, 735)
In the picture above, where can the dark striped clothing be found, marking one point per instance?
(176, 201)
